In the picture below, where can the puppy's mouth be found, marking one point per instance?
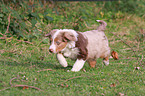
(53, 51)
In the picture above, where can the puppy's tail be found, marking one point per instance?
(102, 26)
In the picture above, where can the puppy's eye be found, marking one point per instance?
(57, 42)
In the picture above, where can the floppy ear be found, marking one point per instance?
(69, 36)
(51, 33)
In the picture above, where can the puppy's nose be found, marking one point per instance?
(51, 50)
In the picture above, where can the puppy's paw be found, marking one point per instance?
(74, 70)
(106, 62)
(65, 65)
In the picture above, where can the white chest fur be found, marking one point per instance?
(70, 50)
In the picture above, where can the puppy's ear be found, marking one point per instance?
(51, 33)
(69, 36)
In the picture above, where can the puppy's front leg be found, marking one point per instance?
(62, 60)
(78, 65)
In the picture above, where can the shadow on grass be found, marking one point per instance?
(39, 64)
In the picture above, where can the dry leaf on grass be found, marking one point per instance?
(113, 85)
(114, 55)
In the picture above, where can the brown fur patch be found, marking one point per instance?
(59, 42)
(102, 55)
(69, 36)
(81, 44)
(106, 58)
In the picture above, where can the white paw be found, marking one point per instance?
(62, 60)
(74, 70)
(106, 62)
(65, 65)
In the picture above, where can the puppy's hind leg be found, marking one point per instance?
(62, 60)
(92, 63)
(106, 60)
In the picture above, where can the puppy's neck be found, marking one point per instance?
(70, 50)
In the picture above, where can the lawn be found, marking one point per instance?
(29, 63)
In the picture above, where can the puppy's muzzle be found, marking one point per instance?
(51, 50)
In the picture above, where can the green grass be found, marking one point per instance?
(23, 60)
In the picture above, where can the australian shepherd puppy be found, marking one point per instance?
(82, 46)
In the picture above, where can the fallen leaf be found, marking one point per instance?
(113, 85)
(114, 55)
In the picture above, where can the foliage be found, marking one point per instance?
(31, 19)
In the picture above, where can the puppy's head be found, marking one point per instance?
(60, 38)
